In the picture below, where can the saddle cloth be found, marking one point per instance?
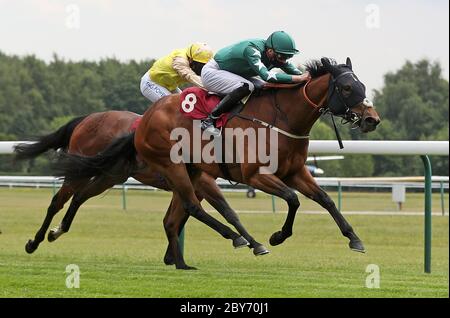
(135, 124)
(197, 103)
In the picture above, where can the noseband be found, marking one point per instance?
(347, 116)
(353, 118)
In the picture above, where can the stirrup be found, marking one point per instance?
(208, 126)
(216, 132)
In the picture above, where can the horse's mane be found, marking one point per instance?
(316, 68)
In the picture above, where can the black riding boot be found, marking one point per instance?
(225, 105)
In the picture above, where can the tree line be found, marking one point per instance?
(37, 97)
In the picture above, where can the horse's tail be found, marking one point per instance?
(118, 159)
(58, 139)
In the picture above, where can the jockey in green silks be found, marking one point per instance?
(233, 69)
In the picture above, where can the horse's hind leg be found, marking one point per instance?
(92, 189)
(174, 221)
(169, 256)
(58, 201)
(179, 181)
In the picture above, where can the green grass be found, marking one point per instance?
(120, 253)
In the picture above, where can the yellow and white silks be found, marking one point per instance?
(173, 70)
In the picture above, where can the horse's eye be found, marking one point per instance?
(347, 88)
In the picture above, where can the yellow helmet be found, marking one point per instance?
(200, 52)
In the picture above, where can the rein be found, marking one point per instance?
(321, 102)
(270, 126)
(273, 127)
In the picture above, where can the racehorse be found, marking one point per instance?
(89, 135)
(292, 113)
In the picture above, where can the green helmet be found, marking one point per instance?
(282, 43)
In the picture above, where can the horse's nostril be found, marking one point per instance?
(372, 121)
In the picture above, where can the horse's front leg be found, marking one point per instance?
(271, 184)
(304, 182)
(208, 188)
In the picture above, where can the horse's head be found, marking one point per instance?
(347, 97)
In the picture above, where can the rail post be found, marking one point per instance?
(54, 187)
(124, 197)
(339, 196)
(428, 192)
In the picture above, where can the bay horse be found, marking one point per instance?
(292, 113)
(88, 136)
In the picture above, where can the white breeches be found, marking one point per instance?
(153, 91)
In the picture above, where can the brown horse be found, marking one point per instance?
(89, 135)
(292, 112)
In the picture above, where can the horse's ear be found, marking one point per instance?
(349, 63)
(326, 63)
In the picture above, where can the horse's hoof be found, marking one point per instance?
(54, 234)
(260, 250)
(186, 267)
(357, 246)
(29, 247)
(168, 260)
(240, 242)
(51, 236)
(277, 238)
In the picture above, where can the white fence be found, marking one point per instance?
(380, 147)
(7, 147)
(131, 183)
(373, 147)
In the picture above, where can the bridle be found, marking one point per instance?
(347, 115)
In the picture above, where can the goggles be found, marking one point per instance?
(283, 57)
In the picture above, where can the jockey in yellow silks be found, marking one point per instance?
(182, 66)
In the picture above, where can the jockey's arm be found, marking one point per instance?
(181, 66)
(289, 68)
(253, 57)
(298, 76)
